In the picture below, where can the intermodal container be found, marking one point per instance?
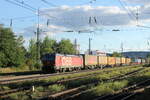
(118, 61)
(90, 60)
(102, 60)
(128, 61)
(111, 60)
(123, 60)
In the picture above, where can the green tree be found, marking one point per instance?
(32, 54)
(65, 47)
(21, 51)
(116, 54)
(48, 46)
(148, 55)
(11, 49)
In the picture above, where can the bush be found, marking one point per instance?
(21, 68)
(146, 65)
(40, 89)
(19, 96)
(108, 88)
(37, 65)
(56, 88)
(4, 88)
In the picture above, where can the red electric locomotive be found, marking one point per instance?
(61, 62)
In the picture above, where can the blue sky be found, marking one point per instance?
(109, 13)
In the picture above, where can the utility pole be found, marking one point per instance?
(105, 50)
(148, 45)
(38, 40)
(11, 21)
(137, 16)
(90, 45)
(76, 46)
(121, 49)
(121, 52)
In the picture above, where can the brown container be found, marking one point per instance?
(90, 60)
(118, 60)
(128, 61)
(123, 60)
(111, 60)
(102, 60)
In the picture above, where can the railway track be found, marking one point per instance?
(20, 73)
(5, 93)
(71, 94)
(32, 77)
(128, 92)
(38, 76)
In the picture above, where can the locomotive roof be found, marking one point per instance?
(57, 54)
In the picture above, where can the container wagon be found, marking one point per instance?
(128, 61)
(90, 61)
(123, 61)
(118, 61)
(102, 61)
(111, 61)
(136, 61)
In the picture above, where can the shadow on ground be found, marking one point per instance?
(21, 73)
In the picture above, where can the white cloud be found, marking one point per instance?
(30, 32)
(44, 30)
(77, 17)
(139, 2)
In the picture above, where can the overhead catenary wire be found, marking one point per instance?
(48, 20)
(28, 7)
(129, 10)
(143, 26)
(94, 19)
(17, 18)
(23, 3)
(49, 3)
(20, 5)
(137, 17)
(131, 16)
(89, 2)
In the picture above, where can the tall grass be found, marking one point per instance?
(110, 87)
(102, 88)
(56, 88)
(76, 82)
(22, 68)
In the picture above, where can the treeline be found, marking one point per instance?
(14, 54)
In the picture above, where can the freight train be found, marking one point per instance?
(63, 62)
